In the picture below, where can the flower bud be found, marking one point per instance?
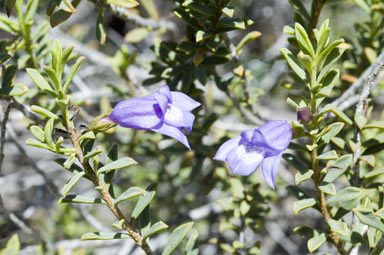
(304, 115)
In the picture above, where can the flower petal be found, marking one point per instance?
(226, 147)
(173, 132)
(274, 136)
(270, 168)
(136, 113)
(243, 161)
(183, 101)
(178, 118)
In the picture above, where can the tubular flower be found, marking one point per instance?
(262, 145)
(165, 112)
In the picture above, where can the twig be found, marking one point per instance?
(379, 248)
(126, 15)
(360, 82)
(3, 130)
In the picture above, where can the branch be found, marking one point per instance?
(3, 130)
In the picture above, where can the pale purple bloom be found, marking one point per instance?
(164, 111)
(262, 145)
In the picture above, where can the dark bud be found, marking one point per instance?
(304, 115)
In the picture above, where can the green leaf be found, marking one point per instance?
(315, 242)
(228, 10)
(199, 7)
(328, 83)
(329, 49)
(293, 63)
(35, 143)
(104, 236)
(158, 226)
(183, 15)
(348, 193)
(8, 76)
(41, 82)
(237, 188)
(367, 217)
(142, 203)
(74, 69)
(328, 155)
(120, 163)
(360, 121)
(331, 131)
(202, 35)
(176, 237)
(303, 40)
(231, 23)
(329, 62)
(328, 188)
(101, 33)
(136, 35)
(65, 5)
(9, 5)
(44, 112)
(301, 177)
(119, 224)
(337, 112)
(192, 245)
(88, 135)
(71, 183)
(247, 39)
(338, 168)
(4, 57)
(380, 213)
(12, 247)
(300, 205)
(48, 129)
(60, 16)
(52, 75)
(80, 199)
(373, 173)
(339, 227)
(124, 3)
(323, 36)
(295, 162)
(129, 193)
(299, 7)
(16, 89)
(375, 124)
(69, 162)
(38, 133)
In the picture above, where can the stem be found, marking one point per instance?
(3, 131)
(133, 233)
(323, 207)
(317, 6)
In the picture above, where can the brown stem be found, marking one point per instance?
(3, 130)
(323, 207)
(132, 232)
(316, 10)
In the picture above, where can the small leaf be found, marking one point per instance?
(16, 89)
(101, 33)
(228, 10)
(333, 130)
(104, 236)
(348, 193)
(202, 35)
(315, 242)
(247, 39)
(176, 237)
(48, 129)
(158, 226)
(328, 188)
(360, 121)
(299, 7)
(38, 133)
(293, 63)
(129, 193)
(119, 224)
(12, 247)
(89, 135)
(80, 199)
(337, 112)
(231, 23)
(373, 173)
(295, 162)
(74, 69)
(44, 112)
(192, 245)
(71, 183)
(339, 227)
(338, 168)
(328, 83)
(367, 217)
(136, 35)
(300, 205)
(120, 163)
(41, 82)
(328, 155)
(301, 177)
(375, 124)
(124, 3)
(199, 7)
(303, 40)
(142, 203)
(65, 5)
(35, 143)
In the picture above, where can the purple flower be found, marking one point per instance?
(264, 144)
(164, 111)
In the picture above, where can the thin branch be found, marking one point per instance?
(360, 82)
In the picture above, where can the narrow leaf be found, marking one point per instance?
(71, 183)
(104, 236)
(120, 163)
(176, 237)
(129, 193)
